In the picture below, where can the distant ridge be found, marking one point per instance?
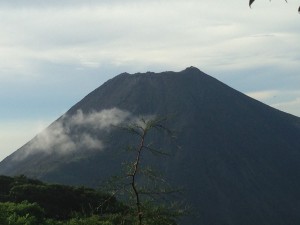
(238, 161)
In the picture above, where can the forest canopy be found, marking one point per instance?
(25, 201)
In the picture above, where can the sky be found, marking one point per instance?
(53, 53)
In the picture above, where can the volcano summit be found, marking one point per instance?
(237, 159)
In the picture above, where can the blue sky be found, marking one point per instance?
(53, 53)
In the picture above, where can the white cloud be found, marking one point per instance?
(58, 138)
(92, 143)
(176, 33)
(99, 120)
(55, 137)
(13, 134)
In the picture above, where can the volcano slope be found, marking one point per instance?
(237, 160)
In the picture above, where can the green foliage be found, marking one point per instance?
(31, 202)
(71, 200)
(59, 201)
(26, 213)
(5, 186)
(6, 183)
(23, 213)
(93, 220)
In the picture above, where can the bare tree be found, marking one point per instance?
(145, 188)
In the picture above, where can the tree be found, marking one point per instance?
(251, 1)
(20, 214)
(140, 185)
(61, 202)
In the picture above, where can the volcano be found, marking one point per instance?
(236, 159)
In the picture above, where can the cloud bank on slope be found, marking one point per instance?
(60, 137)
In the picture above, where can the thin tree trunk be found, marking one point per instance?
(133, 178)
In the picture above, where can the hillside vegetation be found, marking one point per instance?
(25, 201)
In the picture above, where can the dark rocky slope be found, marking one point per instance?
(238, 161)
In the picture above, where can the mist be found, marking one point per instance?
(57, 137)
